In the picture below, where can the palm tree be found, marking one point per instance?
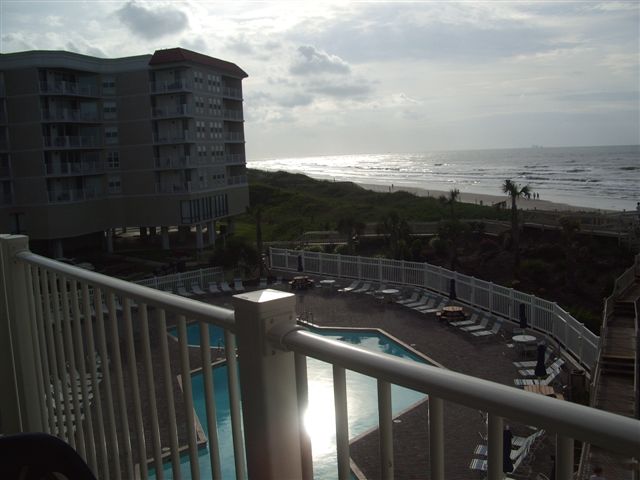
(515, 191)
(450, 200)
(255, 211)
(396, 231)
(352, 229)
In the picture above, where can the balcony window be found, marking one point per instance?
(109, 110)
(113, 159)
(108, 85)
(111, 135)
(115, 184)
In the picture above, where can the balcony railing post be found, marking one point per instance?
(270, 404)
(19, 403)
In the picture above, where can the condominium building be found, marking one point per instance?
(90, 144)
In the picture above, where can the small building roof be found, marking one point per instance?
(177, 55)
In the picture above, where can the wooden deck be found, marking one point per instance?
(615, 391)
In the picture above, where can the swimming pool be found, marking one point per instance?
(320, 418)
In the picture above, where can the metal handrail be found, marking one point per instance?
(193, 309)
(611, 431)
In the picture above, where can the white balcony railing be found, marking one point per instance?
(542, 315)
(74, 195)
(171, 112)
(232, 114)
(235, 158)
(70, 116)
(181, 187)
(172, 162)
(82, 141)
(237, 180)
(69, 88)
(75, 168)
(161, 138)
(234, 136)
(67, 329)
(168, 87)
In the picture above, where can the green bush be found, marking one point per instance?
(536, 269)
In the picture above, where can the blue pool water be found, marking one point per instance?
(320, 419)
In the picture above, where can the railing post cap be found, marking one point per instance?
(264, 301)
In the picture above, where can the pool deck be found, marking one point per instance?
(488, 359)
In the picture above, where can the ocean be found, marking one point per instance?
(606, 177)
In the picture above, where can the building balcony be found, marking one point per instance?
(110, 363)
(230, 92)
(75, 168)
(235, 158)
(182, 187)
(237, 180)
(71, 142)
(69, 88)
(170, 87)
(234, 137)
(167, 138)
(70, 116)
(172, 112)
(172, 163)
(4, 144)
(74, 195)
(235, 115)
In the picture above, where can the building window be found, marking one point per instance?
(114, 183)
(113, 159)
(109, 110)
(110, 135)
(108, 85)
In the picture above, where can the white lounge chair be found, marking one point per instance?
(430, 304)
(237, 285)
(521, 382)
(195, 288)
(531, 372)
(183, 291)
(414, 296)
(465, 323)
(481, 326)
(213, 287)
(492, 331)
(423, 300)
(365, 288)
(224, 286)
(351, 287)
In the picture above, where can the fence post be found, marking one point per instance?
(339, 266)
(268, 384)
(19, 402)
(359, 268)
(491, 297)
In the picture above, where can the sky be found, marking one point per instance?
(382, 77)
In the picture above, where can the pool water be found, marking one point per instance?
(362, 403)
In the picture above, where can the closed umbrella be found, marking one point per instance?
(541, 370)
(523, 316)
(507, 464)
(452, 289)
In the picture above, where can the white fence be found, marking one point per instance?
(542, 315)
(171, 282)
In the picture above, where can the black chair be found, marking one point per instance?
(38, 456)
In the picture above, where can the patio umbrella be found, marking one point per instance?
(300, 265)
(452, 289)
(523, 316)
(507, 464)
(541, 370)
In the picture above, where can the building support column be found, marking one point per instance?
(183, 233)
(212, 233)
(143, 234)
(109, 238)
(199, 237)
(58, 251)
(164, 232)
(152, 231)
(231, 226)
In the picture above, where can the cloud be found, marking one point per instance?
(311, 61)
(341, 90)
(152, 24)
(85, 49)
(624, 97)
(197, 44)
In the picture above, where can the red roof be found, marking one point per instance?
(176, 55)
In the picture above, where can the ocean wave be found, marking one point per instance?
(629, 168)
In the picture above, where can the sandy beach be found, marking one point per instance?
(480, 198)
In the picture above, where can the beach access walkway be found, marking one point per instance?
(617, 382)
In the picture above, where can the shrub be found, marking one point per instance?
(538, 270)
(438, 245)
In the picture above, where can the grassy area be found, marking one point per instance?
(293, 203)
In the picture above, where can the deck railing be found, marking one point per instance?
(75, 365)
(542, 315)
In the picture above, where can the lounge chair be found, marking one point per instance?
(365, 288)
(195, 288)
(237, 285)
(430, 304)
(411, 299)
(465, 323)
(423, 300)
(224, 286)
(213, 287)
(183, 291)
(263, 283)
(492, 331)
(351, 287)
(531, 372)
(521, 382)
(481, 326)
(377, 290)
